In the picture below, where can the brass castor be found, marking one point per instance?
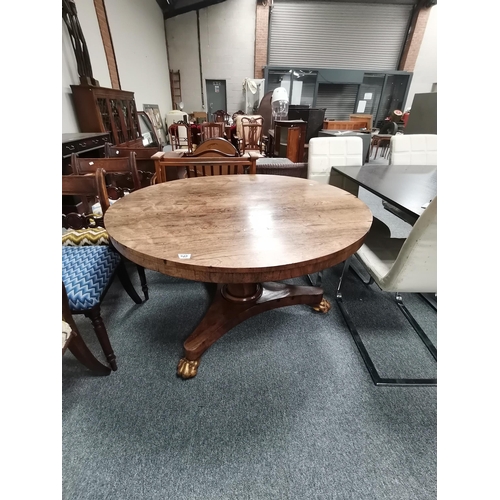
(187, 368)
(323, 306)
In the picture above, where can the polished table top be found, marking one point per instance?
(238, 228)
(409, 187)
(241, 232)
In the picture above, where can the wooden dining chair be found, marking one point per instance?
(89, 270)
(398, 265)
(120, 171)
(72, 340)
(236, 113)
(211, 130)
(181, 136)
(252, 131)
(145, 165)
(122, 177)
(204, 166)
(221, 116)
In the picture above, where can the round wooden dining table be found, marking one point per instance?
(244, 232)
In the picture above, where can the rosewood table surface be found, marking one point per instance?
(241, 232)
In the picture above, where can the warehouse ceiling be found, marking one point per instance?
(172, 8)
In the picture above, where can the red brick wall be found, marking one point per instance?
(412, 48)
(261, 35)
(107, 42)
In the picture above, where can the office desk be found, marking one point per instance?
(247, 233)
(409, 187)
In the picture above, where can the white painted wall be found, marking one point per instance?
(183, 56)
(138, 34)
(227, 36)
(425, 72)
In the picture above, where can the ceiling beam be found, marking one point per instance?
(173, 8)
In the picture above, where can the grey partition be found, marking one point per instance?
(423, 115)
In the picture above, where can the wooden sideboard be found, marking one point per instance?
(347, 125)
(101, 109)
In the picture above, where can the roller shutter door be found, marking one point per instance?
(339, 100)
(329, 34)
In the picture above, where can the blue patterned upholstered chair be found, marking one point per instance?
(72, 340)
(88, 271)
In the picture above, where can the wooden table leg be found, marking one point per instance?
(234, 303)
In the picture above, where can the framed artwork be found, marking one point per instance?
(153, 111)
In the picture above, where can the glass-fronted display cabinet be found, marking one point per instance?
(342, 92)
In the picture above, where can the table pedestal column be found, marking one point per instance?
(234, 303)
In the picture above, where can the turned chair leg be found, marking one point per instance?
(127, 284)
(144, 284)
(94, 315)
(84, 355)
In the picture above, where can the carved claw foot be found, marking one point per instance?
(323, 306)
(187, 368)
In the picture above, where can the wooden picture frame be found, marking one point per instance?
(153, 111)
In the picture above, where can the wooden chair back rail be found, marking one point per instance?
(203, 166)
(209, 170)
(211, 129)
(216, 146)
(85, 186)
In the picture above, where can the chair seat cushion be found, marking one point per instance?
(86, 272)
(85, 237)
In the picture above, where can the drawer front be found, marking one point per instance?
(82, 145)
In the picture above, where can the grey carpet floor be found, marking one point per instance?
(282, 406)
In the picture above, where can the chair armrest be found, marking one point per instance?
(158, 156)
